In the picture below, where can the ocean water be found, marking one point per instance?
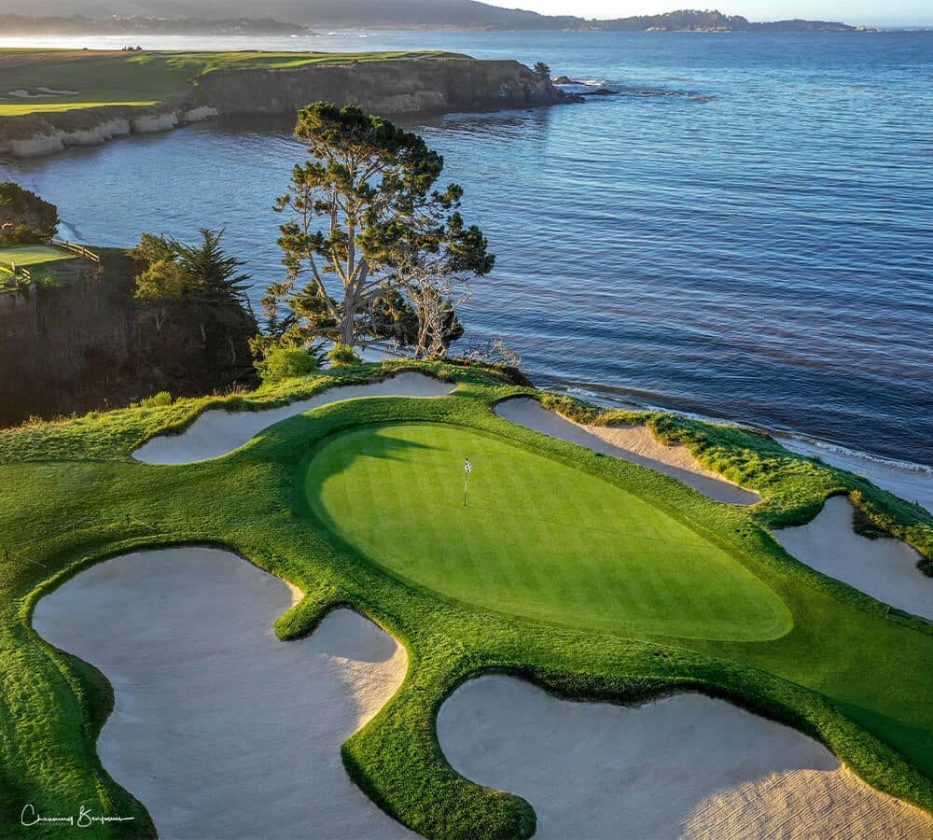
(745, 231)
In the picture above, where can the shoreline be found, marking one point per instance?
(911, 480)
(407, 86)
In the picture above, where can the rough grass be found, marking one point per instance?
(99, 79)
(850, 672)
(793, 487)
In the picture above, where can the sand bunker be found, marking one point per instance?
(631, 443)
(687, 766)
(218, 432)
(42, 93)
(220, 729)
(886, 569)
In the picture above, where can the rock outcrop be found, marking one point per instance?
(420, 86)
(387, 87)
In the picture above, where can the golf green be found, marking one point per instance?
(536, 537)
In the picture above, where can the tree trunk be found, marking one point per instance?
(347, 322)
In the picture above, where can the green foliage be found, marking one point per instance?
(366, 227)
(342, 355)
(793, 487)
(201, 273)
(164, 281)
(160, 400)
(25, 218)
(850, 672)
(281, 363)
(543, 70)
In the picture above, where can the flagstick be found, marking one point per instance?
(466, 479)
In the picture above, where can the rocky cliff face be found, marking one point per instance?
(419, 86)
(385, 87)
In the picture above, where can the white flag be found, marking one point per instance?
(467, 466)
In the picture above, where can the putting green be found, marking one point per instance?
(537, 538)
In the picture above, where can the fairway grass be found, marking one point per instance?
(537, 538)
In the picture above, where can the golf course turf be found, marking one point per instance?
(805, 650)
(577, 550)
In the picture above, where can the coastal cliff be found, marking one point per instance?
(89, 344)
(436, 86)
(387, 87)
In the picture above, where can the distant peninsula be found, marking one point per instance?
(54, 99)
(140, 25)
(289, 17)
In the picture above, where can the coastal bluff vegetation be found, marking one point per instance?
(88, 343)
(53, 99)
(79, 331)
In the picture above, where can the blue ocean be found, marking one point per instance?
(744, 231)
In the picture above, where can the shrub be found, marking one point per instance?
(343, 355)
(285, 363)
(25, 218)
(160, 400)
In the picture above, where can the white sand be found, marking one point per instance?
(631, 443)
(884, 568)
(913, 482)
(220, 729)
(687, 766)
(218, 432)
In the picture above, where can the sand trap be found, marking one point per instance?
(886, 569)
(220, 729)
(687, 766)
(631, 443)
(913, 482)
(218, 432)
(43, 93)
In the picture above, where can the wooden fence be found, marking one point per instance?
(80, 250)
(12, 277)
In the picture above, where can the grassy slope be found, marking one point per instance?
(140, 79)
(849, 672)
(577, 550)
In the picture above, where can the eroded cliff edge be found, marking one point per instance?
(445, 85)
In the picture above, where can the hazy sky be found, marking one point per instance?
(849, 11)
